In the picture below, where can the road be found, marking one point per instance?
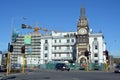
(63, 75)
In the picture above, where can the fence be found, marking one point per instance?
(76, 66)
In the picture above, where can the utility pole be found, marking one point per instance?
(86, 64)
(23, 54)
(107, 60)
(10, 49)
(8, 61)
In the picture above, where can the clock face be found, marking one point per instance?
(83, 31)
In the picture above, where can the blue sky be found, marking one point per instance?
(61, 15)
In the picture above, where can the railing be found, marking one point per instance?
(62, 50)
(56, 44)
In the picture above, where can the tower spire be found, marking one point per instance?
(83, 11)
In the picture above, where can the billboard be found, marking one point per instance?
(27, 39)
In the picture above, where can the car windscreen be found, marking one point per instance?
(118, 66)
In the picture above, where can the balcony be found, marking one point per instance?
(62, 51)
(62, 58)
(62, 44)
(96, 58)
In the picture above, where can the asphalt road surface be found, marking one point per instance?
(63, 75)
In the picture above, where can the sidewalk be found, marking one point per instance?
(13, 75)
(2, 74)
(10, 75)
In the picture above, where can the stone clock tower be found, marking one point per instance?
(82, 36)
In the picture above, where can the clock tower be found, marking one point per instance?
(82, 35)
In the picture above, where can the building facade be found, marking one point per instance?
(61, 46)
(32, 49)
(97, 47)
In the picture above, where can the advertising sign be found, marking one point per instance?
(27, 39)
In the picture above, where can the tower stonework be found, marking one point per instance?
(82, 35)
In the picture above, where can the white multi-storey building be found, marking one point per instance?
(97, 47)
(46, 48)
(63, 45)
(57, 46)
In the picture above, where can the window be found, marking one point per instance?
(95, 39)
(59, 54)
(55, 47)
(46, 48)
(59, 41)
(55, 41)
(45, 61)
(68, 55)
(81, 40)
(46, 55)
(68, 40)
(59, 47)
(96, 47)
(84, 40)
(68, 47)
(95, 55)
(46, 41)
(72, 40)
(55, 55)
(96, 61)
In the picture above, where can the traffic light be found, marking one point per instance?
(6, 54)
(107, 55)
(87, 54)
(23, 49)
(10, 47)
(23, 26)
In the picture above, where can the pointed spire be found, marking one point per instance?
(83, 11)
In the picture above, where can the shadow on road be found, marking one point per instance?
(8, 77)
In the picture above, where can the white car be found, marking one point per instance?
(117, 69)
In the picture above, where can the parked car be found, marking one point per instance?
(62, 66)
(117, 69)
